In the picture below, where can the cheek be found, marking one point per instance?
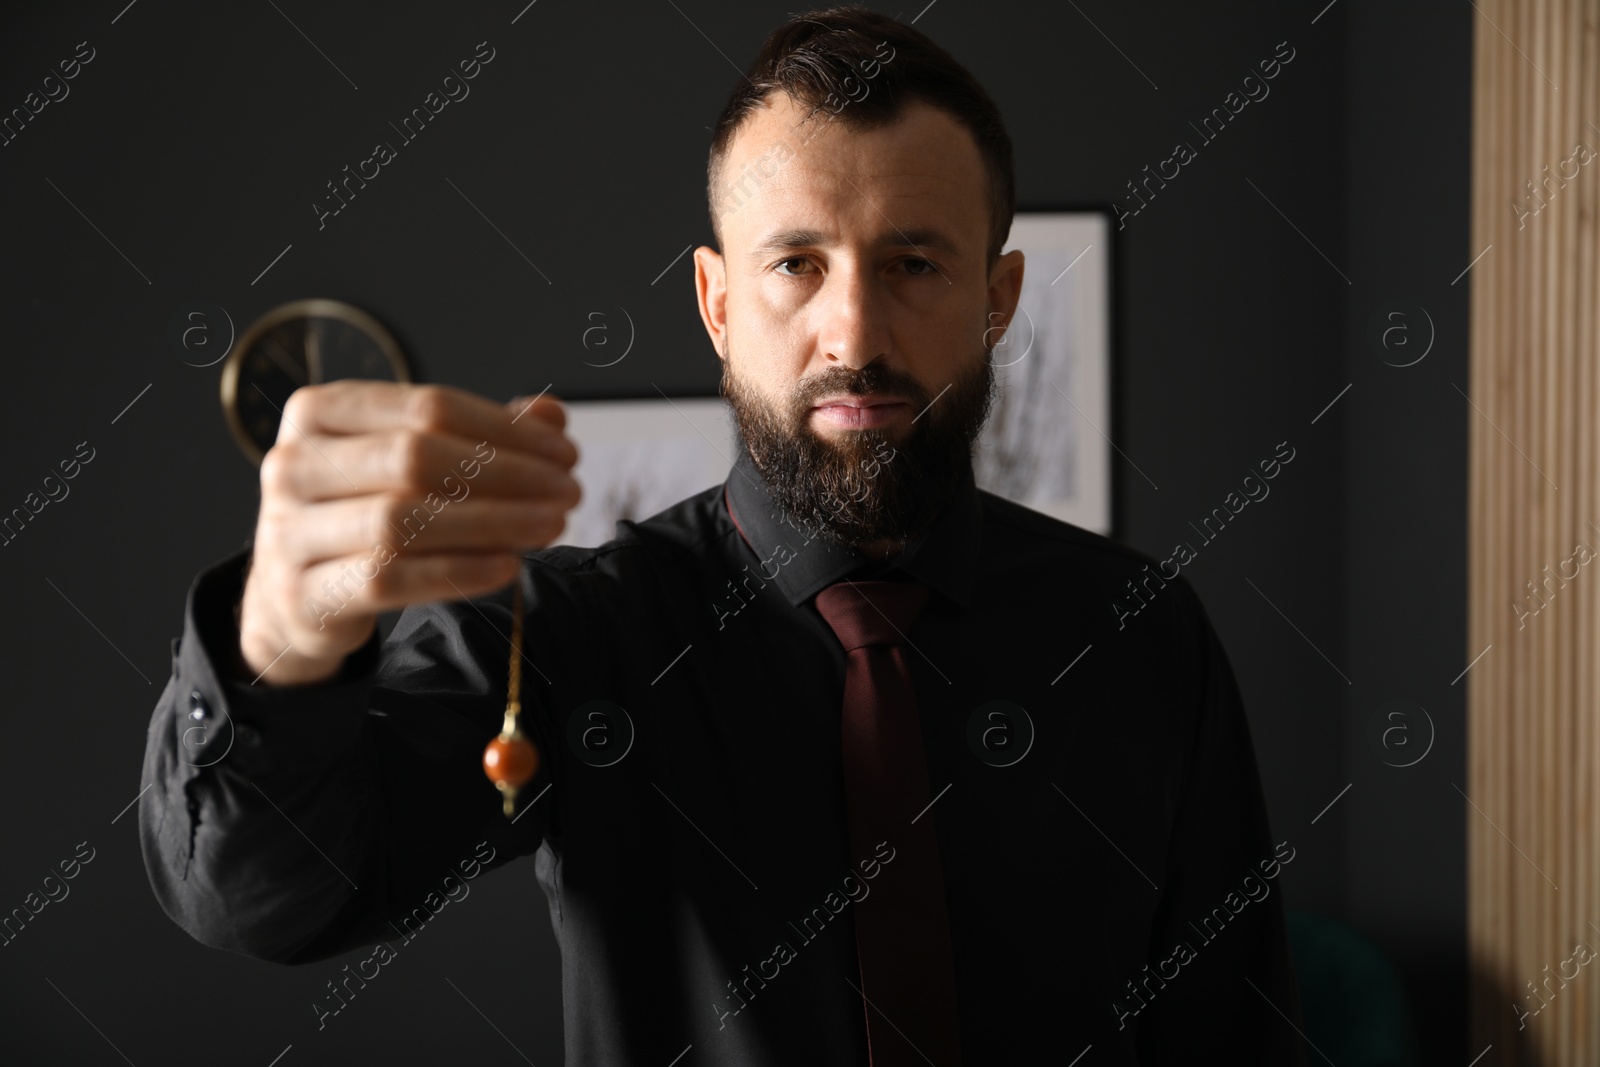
(772, 348)
(946, 344)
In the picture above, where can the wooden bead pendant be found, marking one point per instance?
(511, 760)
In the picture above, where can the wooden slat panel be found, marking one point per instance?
(1533, 743)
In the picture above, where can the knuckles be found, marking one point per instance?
(388, 517)
(409, 458)
(277, 469)
(428, 407)
(297, 411)
(272, 535)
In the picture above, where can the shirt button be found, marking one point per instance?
(199, 710)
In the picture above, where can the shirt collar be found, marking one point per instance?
(942, 557)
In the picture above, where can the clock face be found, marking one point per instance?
(302, 343)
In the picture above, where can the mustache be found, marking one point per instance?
(870, 379)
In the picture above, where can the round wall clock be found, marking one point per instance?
(305, 342)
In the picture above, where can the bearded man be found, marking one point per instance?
(841, 761)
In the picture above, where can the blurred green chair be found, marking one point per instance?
(1355, 1009)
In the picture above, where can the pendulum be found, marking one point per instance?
(511, 760)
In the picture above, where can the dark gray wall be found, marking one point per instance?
(1408, 138)
(192, 146)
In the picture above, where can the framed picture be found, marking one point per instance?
(1046, 444)
(636, 457)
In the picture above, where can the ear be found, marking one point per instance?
(711, 290)
(1005, 290)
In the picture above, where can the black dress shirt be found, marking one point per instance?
(693, 844)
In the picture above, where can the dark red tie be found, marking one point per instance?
(902, 925)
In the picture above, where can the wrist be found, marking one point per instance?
(268, 659)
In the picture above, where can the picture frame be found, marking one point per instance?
(639, 455)
(1047, 443)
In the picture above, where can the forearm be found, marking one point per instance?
(296, 822)
(256, 817)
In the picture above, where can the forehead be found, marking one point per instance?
(784, 173)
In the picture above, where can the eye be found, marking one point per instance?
(921, 273)
(791, 259)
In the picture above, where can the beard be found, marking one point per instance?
(863, 487)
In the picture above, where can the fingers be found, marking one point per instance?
(410, 462)
(365, 508)
(348, 591)
(391, 525)
(356, 406)
(544, 406)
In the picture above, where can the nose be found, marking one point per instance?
(854, 329)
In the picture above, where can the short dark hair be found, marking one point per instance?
(816, 55)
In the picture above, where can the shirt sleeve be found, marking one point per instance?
(1220, 982)
(292, 824)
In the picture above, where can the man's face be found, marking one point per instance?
(853, 312)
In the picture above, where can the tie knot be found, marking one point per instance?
(871, 612)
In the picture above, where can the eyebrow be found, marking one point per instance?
(919, 237)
